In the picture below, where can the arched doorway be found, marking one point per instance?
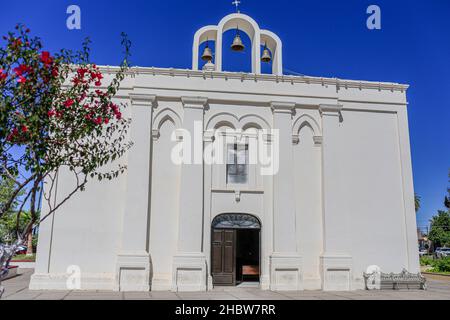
(235, 249)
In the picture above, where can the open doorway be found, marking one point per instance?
(236, 250)
(247, 255)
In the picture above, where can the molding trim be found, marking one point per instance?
(341, 84)
(194, 102)
(142, 99)
(282, 107)
(318, 140)
(330, 109)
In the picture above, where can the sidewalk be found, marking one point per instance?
(17, 289)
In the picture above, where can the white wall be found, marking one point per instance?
(375, 164)
(307, 170)
(373, 192)
(164, 209)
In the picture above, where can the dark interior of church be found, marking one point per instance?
(247, 255)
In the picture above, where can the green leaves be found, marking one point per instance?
(440, 229)
(56, 112)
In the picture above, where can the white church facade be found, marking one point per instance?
(334, 196)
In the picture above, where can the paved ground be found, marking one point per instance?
(17, 289)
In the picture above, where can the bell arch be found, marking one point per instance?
(275, 46)
(251, 28)
(202, 35)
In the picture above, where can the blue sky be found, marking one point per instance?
(321, 38)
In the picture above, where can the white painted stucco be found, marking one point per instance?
(341, 201)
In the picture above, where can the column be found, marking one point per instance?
(285, 262)
(133, 261)
(189, 270)
(336, 262)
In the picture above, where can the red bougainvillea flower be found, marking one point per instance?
(16, 43)
(22, 69)
(99, 120)
(46, 58)
(81, 72)
(21, 79)
(68, 103)
(106, 121)
(98, 83)
(51, 113)
(24, 129)
(55, 72)
(3, 75)
(13, 133)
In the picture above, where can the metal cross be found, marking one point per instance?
(237, 3)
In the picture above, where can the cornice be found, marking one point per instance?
(194, 102)
(142, 99)
(339, 83)
(330, 109)
(282, 107)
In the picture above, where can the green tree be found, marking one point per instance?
(440, 229)
(417, 202)
(447, 198)
(8, 221)
(55, 114)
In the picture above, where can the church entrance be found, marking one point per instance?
(236, 249)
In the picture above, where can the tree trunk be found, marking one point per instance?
(30, 244)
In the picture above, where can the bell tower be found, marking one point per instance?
(272, 52)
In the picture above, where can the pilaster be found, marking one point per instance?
(285, 262)
(189, 267)
(336, 262)
(133, 261)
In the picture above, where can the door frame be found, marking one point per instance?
(235, 221)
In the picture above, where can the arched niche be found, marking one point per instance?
(306, 121)
(244, 123)
(251, 28)
(163, 116)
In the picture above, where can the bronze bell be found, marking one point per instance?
(207, 54)
(237, 43)
(266, 55)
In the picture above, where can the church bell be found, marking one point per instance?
(207, 54)
(266, 55)
(237, 43)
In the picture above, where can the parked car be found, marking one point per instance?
(423, 252)
(442, 252)
(21, 250)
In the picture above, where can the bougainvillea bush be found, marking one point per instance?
(56, 113)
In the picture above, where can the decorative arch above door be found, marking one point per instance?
(236, 221)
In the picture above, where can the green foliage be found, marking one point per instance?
(447, 198)
(417, 202)
(440, 229)
(9, 227)
(441, 265)
(24, 257)
(56, 113)
(426, 261)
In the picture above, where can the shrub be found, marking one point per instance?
(442, 265)
(426, 261)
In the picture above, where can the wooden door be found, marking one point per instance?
(223, 257)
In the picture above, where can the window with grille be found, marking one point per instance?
(237, 164)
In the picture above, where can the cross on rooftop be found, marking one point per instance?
(236, 3)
